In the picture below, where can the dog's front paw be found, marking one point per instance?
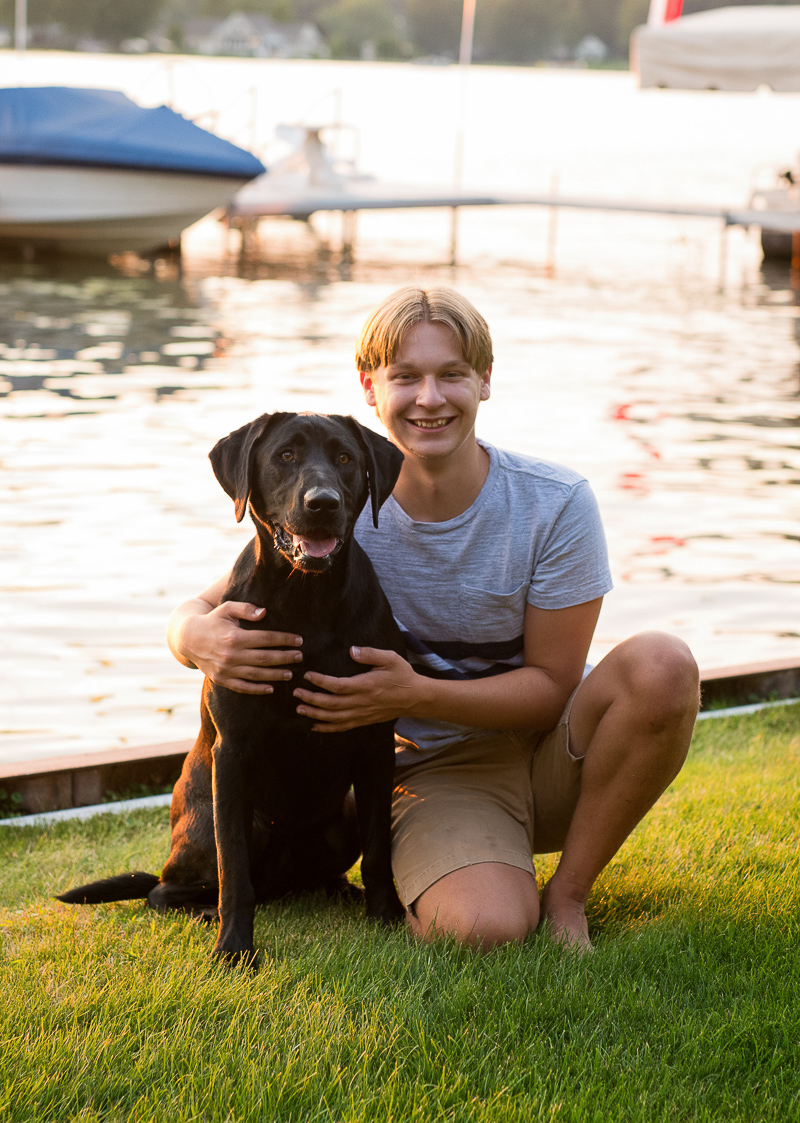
(344, 890)
(246, 958)
(387, 912)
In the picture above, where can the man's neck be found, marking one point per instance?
(433, 492)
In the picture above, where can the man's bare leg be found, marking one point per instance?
(482, 906)
(632, 722)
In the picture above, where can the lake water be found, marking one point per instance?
(676, 395)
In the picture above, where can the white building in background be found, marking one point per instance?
(253, 36)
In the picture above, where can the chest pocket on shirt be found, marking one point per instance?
(490, 617)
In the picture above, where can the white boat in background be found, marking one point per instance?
(100, 211)
(90, 172)
(736, 48)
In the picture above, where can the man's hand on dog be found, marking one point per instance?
(240, 659)
(382, 694)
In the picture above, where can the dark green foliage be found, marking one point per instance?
(515, 31)
(10, 804)
(435, 29)
(523, 31)
(102, 19)
(350, 23)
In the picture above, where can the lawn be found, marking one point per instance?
(689, 1008)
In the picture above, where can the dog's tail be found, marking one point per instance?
(123, 887)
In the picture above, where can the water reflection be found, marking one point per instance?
(71, 342)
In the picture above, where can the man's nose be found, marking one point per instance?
(430, 394)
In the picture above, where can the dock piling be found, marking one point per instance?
(552, 229)
(348, 234)
(723, 255)
(454, 235)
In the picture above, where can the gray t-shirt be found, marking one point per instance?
(459, 588)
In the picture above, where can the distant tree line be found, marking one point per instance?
(112, 20)
(511, 31)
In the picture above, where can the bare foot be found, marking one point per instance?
(564, 920)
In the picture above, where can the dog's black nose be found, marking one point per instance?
(322, 499)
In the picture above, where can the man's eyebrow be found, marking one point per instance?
(404, 364)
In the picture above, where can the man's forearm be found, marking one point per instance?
(176, 631)
(525, 698)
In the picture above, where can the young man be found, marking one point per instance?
(495, 566)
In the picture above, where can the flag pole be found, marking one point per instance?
(464, 62)
(467, 33)
(21, 25)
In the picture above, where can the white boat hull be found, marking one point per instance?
(99, 211)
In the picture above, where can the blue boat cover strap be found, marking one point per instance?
(104, 128)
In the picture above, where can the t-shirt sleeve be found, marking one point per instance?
(572, 568)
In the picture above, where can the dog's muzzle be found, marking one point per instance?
(304, 551)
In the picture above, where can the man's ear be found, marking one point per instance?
(367, 386)
(486, 385)
(232, 459)
(384, 461)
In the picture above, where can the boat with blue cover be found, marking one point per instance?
(89, 171)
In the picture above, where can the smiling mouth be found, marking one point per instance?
(438, 423)
(304, 548)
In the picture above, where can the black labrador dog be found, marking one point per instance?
(263, 806)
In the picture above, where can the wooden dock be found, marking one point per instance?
(272, 198)
(274, 201)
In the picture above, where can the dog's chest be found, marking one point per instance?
(295, 774)
(261, 717)
(326, 642)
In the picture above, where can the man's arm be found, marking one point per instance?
(204, 633)
(530, 697)
(183, 616)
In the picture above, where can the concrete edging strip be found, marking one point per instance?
(754, 707)
(44, 817)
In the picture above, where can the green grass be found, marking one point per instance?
(688, 1010)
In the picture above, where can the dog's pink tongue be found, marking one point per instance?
(315, 547)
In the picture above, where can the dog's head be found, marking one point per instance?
(306, 478)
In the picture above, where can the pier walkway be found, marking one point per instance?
(276, 198)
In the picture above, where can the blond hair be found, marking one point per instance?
(382, 333)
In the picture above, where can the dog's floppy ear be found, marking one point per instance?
(232, 459)
(384, 461)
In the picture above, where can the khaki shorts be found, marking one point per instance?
(498, 798)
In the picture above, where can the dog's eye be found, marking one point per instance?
(287, 455)
(343, 458)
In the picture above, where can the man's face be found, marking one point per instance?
(428, 397)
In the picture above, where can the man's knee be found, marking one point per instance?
(482, 906)
(474, 928)
(648, 684)
(663, 673)
(659, 673)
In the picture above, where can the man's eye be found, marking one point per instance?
(287, 455)
(343, 458)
